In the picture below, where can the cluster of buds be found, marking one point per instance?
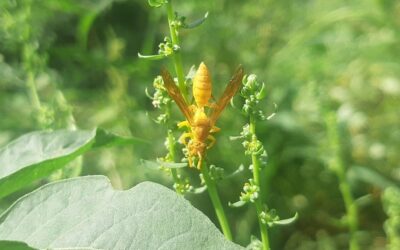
(253, 92)
(180, 22)
(216, 173)
(167, 48)
(160, 100)
(251, 192)
(269, 217)
(183, 185)
(45, 116)
(251, 144)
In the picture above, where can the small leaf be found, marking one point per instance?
(196, 23)
(239, 170)
(86, 212)
(262, 92)
(107, 139)
(284, 221)
(237, 204)
(152, 57)
(158, 164)
(37, 154)
(173, 164)
(157, 3)
(364, 200)
(199, 190)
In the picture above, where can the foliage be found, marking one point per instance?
(129, 219)
(317, 59)
(391, 199)
(35, 155)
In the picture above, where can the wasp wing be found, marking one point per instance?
(175, 94)
(230, 90)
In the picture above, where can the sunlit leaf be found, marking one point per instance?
(36, 155)
(88, 212)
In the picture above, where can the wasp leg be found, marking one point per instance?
(212, 105)
(190, 161)
(200, 162)
(214, 129)
(212, 141)
(183, 124)
(183, 137)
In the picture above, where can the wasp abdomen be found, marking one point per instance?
(202, 86)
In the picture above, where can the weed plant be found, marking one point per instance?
(306, 158)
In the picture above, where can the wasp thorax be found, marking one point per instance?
(202, 86)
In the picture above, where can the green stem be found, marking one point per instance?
(219, 210)
(263, 227)
(351, 210)
(30, 82)
(336, 164)
(256, 177)
(171, 147)
(177, 54)
(28, 53)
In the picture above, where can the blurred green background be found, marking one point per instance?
(316, 57)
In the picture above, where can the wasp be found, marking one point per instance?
(201, 125)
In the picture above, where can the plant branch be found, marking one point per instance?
(171, 154)
(256, 177)
(177, 54)
(219, 210)
(336, 164)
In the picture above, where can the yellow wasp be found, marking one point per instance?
(197, 120)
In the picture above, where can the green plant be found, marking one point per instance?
(252, 91)
(391, 202)
(67, 67)
(46, 152)
(39, 154)
(171, 48)
(336, 165)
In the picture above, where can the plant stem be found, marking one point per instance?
(336, 164)
(351, 210)
(30, 82)
(177, 55)
(256, 177)
(171, 147)
(219, 210)
(28, 53)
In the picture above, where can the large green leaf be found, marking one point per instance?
(87, 212)
(37, 154)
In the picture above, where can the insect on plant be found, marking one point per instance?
(199, 138)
